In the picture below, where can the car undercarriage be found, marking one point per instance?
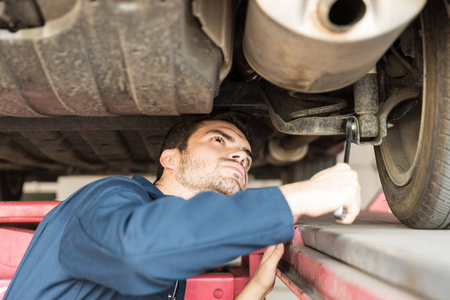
(92, 87)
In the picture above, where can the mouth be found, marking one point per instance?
(238, 168)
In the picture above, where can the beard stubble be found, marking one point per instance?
(195, 175)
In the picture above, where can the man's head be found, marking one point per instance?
(212, 153)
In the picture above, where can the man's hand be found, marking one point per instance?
(325, 192)
(262, 282)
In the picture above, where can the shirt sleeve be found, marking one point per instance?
(123, 240)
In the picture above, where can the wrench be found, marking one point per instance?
(341, 212)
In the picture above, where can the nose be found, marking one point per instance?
(240, 156)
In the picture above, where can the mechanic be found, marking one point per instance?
(121, 238)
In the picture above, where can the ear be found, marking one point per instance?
(169, 158)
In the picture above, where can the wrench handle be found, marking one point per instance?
(341, 212)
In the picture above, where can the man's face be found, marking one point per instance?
(217, 158)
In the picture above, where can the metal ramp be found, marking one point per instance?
(376, 257)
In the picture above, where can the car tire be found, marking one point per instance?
(414, 158)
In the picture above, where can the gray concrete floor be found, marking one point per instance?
(281, 292)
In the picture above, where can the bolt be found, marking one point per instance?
(218, 293)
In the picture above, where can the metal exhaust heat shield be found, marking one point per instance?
(322, 45)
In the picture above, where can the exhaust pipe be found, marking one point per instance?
(322, 45)
(287, 149)
(340, 15)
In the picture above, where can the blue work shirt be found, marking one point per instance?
(121, 238)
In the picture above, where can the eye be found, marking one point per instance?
(218, 139)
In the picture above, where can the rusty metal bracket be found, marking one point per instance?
(396, 98)
(331, 125)
(336, 125)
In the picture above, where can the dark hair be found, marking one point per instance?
(178, 135)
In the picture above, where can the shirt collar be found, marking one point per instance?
(148, 186)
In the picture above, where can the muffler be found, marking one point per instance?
(322, 45)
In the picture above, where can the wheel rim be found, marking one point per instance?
(401, 147)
